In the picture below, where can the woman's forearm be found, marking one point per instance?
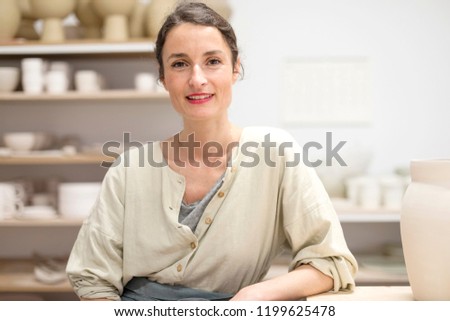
(299, 283)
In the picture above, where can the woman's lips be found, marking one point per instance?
(199, 98)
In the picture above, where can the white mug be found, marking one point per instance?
(145, 82)
(11, 199)
(56, 82)
(88, 81)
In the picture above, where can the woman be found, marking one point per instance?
(202, 215)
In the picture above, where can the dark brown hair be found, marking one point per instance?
(200, 14)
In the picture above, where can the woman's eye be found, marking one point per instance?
(214, 61)
(179, 64)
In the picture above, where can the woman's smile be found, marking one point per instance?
(199, 98)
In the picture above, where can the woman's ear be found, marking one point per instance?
(161, 80)
(237, 69)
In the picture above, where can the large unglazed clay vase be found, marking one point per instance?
(425, 229)
(115, 14)
(52, 13)
(26, 28)
(159, 9)
(90, 21)
(220, 6)
(137, 20)
(9, 19)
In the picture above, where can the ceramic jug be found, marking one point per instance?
(425, 229)
(10, 19)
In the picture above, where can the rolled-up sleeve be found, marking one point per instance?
(313, 230)
(94, 267)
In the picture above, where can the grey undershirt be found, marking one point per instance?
(190, 213)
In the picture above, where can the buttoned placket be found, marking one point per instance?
(206, 219)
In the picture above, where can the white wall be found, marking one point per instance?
(407, 43)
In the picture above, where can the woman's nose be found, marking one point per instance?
(198, 78)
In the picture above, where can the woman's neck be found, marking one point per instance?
(223, 133)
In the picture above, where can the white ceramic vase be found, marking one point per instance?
(52, 13)
(10, 19)
(425, 229)
(115, 14)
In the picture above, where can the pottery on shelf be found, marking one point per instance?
(115, 14)
(220, 6)
(10, 19)
(425, 229)
(137, 20)
(26, 28)
(90, 21)
(52, 13)
(158, 10)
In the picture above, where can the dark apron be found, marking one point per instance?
(142, 289)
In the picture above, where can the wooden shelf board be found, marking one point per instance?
(54, 160)
(26, 47)
(17, 276)
(77, 96)
(47, 222)
(369, 217)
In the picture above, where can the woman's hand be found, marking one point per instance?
(302, 282)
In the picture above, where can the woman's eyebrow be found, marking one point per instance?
(213, 52)
(183, 55)
(176, 56)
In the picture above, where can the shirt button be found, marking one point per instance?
(208, 220)
(179, 268)
(193, 245)
(221, 194)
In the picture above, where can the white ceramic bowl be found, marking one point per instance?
(9, 79)
(20, 141)
(27, 141)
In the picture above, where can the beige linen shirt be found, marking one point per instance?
(264, 205)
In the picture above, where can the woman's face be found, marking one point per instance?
(198, 71)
